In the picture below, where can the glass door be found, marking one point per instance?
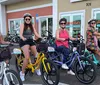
(69, 25)
(97, 16)
(75, 23)
(45, 23)
(77, 20)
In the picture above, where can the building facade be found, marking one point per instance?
(46, 14)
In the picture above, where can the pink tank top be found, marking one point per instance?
(63, 34)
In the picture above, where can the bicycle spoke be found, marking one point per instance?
(86, 74)
(51, 80)
(51, 77)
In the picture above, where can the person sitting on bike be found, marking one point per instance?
(2, 40)
(62, 44)
(91, 35)
(27, 30)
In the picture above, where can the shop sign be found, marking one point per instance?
(74, 24)
(36, 17)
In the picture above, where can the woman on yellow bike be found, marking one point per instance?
(27, 30)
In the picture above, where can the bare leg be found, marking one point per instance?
(27, 55)
(34, 51)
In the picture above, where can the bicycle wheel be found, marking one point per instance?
(51, 77)
(87, 73)
(12, 78)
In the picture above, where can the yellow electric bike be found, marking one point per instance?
(49, 71)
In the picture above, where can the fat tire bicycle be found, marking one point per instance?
(49, 71)
(7, 76)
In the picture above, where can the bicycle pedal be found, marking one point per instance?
(98, 64)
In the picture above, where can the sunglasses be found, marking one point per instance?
(62, 23)
(93, 23)
(27, 19)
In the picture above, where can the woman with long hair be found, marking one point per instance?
(27, 30)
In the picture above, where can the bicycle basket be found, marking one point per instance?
(5, 53)
(42, 47)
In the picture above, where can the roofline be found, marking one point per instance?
(29, 8)
(1, 1)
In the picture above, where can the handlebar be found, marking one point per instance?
(7, 45)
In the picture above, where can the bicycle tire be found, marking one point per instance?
(88, 68)
(51, 72)
(12, 74)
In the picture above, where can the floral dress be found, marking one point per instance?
(91, 42)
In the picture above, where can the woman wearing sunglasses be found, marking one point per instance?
(62, 44)
(27, 30)
(91, 35)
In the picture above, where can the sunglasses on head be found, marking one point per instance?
(27, 19)
(63, 23)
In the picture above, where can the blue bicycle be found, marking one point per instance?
(84, 68)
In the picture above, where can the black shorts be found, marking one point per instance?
(26, 42)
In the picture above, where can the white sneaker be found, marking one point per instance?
(64, 66)
(22, 76)
(38, 72)
(71, 72)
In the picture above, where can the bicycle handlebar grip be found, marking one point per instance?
(38, 40)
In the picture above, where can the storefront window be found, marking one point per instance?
(45, 24)
(68, 22)
(98, 21)
(74, 23)
(43, 27)
(14, 25)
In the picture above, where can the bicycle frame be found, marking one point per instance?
(93, 56)
(73, 56)
(33, 66)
